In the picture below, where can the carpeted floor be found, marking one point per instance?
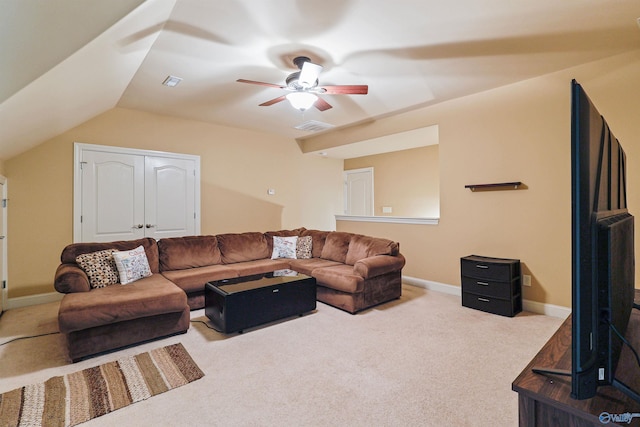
(422, 360)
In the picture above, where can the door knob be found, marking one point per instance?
(150, 225)
(138, 226)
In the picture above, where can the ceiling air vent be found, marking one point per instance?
(313, 126)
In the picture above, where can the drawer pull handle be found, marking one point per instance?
(483, 299)
(483, 283)
(482, 266)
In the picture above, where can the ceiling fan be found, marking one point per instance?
(304, 89)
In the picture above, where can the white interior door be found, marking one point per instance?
(112, 196)
(169, 197)
(359, 192)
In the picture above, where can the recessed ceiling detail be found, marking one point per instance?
(428, 53)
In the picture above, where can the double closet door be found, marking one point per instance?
(125, 194)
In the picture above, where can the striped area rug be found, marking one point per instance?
(78, 397)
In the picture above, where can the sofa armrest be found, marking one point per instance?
(378, 265)
(70, 278)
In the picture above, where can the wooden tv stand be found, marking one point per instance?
(544, 400)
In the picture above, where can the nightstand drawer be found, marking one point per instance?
(487, 288)
(487, 268)
(503, 307)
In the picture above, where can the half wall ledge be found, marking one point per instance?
(388, 219)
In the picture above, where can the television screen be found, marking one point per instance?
(602, 258)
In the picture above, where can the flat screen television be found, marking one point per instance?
(602, 254)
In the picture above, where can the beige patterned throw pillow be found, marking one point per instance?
(100, 268)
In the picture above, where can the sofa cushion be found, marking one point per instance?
(306, 266)
(100, 268)
(243, 247)
(336, 246)
(150, 246)
(180, 253)
(259, 266)
(150, 296)
(361, 247)
(318, 238)
(339, 277)
(194, 279)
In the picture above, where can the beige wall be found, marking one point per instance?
(408, 181)
(516, 133)
(237, 168)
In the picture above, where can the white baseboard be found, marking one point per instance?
(431, 285)
(27, 301)
(527, 305)
(546, 309)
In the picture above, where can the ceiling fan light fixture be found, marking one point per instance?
(302, 100)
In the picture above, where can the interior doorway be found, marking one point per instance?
(3, 244)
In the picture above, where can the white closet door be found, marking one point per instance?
(125, 194)
(169, 197)
(112, 196)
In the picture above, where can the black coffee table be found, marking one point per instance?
(234, 305)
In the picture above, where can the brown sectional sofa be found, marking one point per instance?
(353, 272)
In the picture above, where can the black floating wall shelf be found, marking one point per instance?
(498, 186)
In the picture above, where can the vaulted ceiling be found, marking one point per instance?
(66, 61)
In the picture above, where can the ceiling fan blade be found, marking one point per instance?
(309, 74)
(253, 82)
(322, 105)
(273, 101)
(345, 90)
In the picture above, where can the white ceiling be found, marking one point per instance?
(67, 61)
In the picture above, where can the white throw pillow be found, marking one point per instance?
(132, 265)
(284, 247)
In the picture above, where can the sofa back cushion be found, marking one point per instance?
(317, 241)
(243, 247)
(180, 253)
(150, 246)
(336, 246)
(361, 247)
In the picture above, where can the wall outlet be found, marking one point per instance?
(387, 209)
(526, 280)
